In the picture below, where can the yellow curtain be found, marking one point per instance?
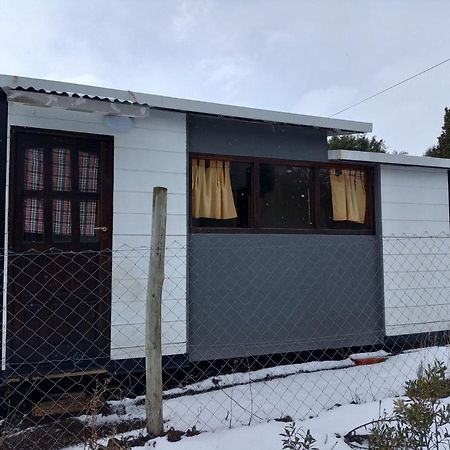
(214, 180)
(348, 193)
(338, 196)
(361, 195)
(201, 191)
(228, 209)
(212, 193)
(195, 189)
(204, 191)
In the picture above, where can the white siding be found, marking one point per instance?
(151, 154)
(416, 253)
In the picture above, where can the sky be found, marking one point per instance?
(309, 57)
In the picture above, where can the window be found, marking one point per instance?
(58, 163)
(257, 195)
(344, 199)
(221, 193)
(59, 190)
(285, 196)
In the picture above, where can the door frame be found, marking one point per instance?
(106, 145)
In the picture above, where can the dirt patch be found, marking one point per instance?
(59, 433)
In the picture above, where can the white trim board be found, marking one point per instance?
(385, 158)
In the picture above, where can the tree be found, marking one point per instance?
(442, 148)
(361, 143)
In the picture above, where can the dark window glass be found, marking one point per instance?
(62, 170)
(285, 196)
(88, 172)
(34, 169)
(344, 199)
(62, 220)
(221, 189)
(88, 221)
(33, 219)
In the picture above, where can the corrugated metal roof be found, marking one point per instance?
(333, 126)
(74, 95)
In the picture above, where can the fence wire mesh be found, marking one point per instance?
(279, 328)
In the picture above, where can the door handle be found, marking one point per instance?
(104, 229)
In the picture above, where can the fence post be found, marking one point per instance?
(153, 356)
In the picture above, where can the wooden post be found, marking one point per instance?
(153, 356)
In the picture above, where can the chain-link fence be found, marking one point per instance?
(254, 328)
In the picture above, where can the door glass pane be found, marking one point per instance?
(33, 219)
(88, 221)
(285, 196)
(88, 172)
(34, 169)
(62, 170)
(62, 220)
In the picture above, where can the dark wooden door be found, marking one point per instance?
(59, 263)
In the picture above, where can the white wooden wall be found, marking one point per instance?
(151, 154)
(416, 251)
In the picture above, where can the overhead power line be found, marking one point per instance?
(391, 87)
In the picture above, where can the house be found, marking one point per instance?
(283, 246)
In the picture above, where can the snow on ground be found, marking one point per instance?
(360, 356)
(313, 397)
(259, 375)
(328, 429)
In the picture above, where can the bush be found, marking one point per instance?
(420, 421)
(297, 440)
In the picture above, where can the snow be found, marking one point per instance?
(259, 375)
(300, 395)
(328, 429)
(367, 355)
(317, 395)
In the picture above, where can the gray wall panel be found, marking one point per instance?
(260, 294)
(238, 137)
(253, 294)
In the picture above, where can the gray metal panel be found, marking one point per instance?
(255, 294)
(334, 126)
(242, 138)
(262, 294)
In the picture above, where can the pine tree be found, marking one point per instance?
(442, 148)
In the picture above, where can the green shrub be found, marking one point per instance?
(418, 422)
(297, 440)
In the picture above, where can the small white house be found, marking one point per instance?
(252, 194)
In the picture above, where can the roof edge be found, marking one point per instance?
(386, 158)
(334, 126)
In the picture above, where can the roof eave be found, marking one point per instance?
(389, 159)
(332, 126)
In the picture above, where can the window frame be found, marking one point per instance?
(255, 198)
(102, 145)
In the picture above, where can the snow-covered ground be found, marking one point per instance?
(329, 429)
(328, 398)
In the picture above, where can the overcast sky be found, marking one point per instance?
(310, 57)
